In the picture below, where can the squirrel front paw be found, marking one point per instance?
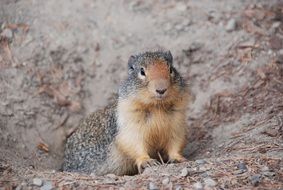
(177, 159)
(147, 163)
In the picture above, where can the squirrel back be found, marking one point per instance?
(145, 125)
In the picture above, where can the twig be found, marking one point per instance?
(162, 161)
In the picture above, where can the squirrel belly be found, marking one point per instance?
(146, 130)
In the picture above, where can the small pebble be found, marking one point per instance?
(7, 33)
(276, 24)
(242, 168)
(165, 181)
(269, 174)
(113, 176)
(179, 187)
(198, 186)
(47, 186)
(204, 174)
(265, 169)
(200, 162)
(152, 186)
(255, 180)
(209, 182)
(238, 172)
(184, 172)
(231, 25)
(37, 182)
(181, 6)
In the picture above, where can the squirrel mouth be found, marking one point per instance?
(160, 97)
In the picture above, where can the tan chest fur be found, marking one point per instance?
(151, 126)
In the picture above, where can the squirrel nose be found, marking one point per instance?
(161, 91)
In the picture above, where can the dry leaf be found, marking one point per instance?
(255, 13)
(261, 74)
(22, 26)
(44, 147)
(245, 55)
(5, 51)
(250, 27)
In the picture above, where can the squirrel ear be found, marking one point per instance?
(131, 62)
(169, 57)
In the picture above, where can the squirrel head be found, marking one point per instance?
(152, 78)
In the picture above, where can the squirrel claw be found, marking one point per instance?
(179, 160)
(147, 163)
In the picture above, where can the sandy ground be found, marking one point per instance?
(60, 60)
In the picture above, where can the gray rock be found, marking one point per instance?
(276, 24)
(37, 182)
(238, 172)
(231, 25)
(200, 162)
(242, 168)
(152, 186)
(269, 174)
(7, 33)
(209, 182)
(47, 186)
(184, 172)
(179, 187)
(255, 179)
(197, 186)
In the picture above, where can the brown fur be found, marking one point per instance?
(150, 125)
(158, 70)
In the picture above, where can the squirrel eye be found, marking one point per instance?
(142, 72)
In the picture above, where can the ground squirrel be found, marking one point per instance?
(146, 122)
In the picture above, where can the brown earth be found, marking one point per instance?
(61, 60)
